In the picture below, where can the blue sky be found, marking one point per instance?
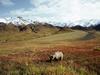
(9, 5)
(50, 10)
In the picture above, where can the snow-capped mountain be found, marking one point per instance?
(83, 22)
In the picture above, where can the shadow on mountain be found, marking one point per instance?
(89, 36)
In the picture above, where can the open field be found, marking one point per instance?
(28, 53)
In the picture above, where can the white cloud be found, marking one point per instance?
(6, 2)
(2, 20)
(60, 10)
(36, 3)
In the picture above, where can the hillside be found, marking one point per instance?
(28, 40)
(26, 50)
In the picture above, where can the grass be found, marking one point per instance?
(24, 41)
(11, 68)
(97, 48)
(62, 37)
(33, 36)
(21, 53)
